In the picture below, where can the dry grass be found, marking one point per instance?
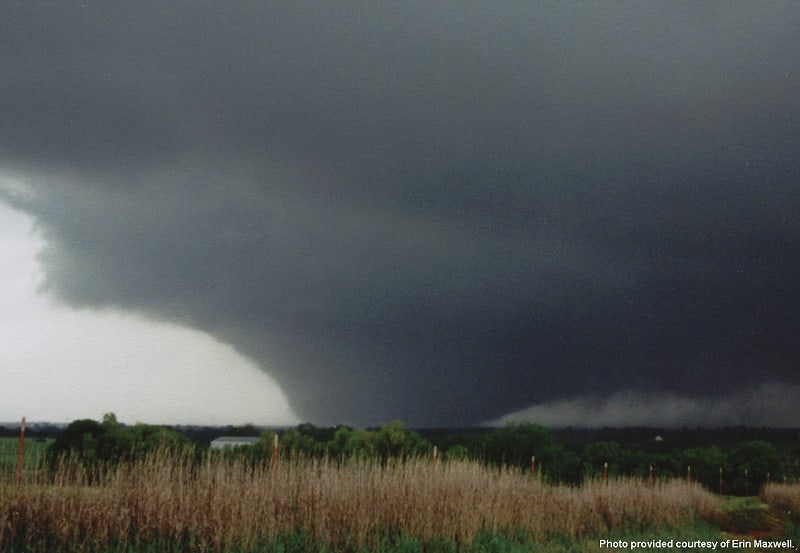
(783, 496)
(220, 504)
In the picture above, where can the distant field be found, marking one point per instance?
(9, 451)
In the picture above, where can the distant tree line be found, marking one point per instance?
(96, 445)
(742, 468)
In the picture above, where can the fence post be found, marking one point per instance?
(746, 484)
(720, 480)
(605, 472)
(651, 480)
(435, 457)
(689, 474)
(533, 467)
(21, 451)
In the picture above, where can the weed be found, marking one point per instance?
(232, 505)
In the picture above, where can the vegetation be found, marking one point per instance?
(110, 488)
(94, 443)
(229, 504)
(746, 466)
(784, 496)
(9, 452)
(740, 469)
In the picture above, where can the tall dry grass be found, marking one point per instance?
(219, 504)
(784, 496)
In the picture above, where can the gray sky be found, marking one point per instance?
(61, 364)
(448, 213)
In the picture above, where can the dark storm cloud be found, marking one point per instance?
(439, 212)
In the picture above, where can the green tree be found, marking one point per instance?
(93, 443)
(361, 443)
(394, 440)
(562, 465)
(294, 443)
(705, 463)
(597, 454)
(515, 443)
(337, 447)
(79, 438)
(147, 438)
(316, 433)
(110, 422)
(758, 458)
(247, 430)
(456, 452)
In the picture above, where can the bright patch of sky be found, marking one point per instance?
(59, 365)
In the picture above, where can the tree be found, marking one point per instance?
(758, 458)
(515, 443)
(110, 422)
(563, 465)
(293, 443)
(361, 443)
(79, 438)
(93, 443)
(246, 430)
(597, 454)
(147, 438)
(394, 440)
(705, 463)
(337, 447)
(456, 452)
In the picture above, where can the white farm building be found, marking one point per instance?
(232, 441)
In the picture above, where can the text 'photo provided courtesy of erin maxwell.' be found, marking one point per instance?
(699, 545)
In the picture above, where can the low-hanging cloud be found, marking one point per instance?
(768, 404)
(435, 212)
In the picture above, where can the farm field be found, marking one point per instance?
(170, 502)
(9, 452)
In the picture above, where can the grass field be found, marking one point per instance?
(224, 505)
(9, 453)
(170, 503)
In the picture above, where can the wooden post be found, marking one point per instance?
(435, 457)
(689, 474)
(605, 472)
(275, 458)
(533, 467)
(720, 480)
(21, 451)
(651, 479)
